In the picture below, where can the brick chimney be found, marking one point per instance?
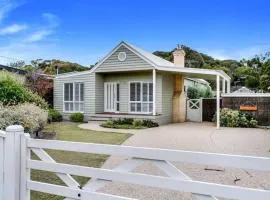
(179, 57)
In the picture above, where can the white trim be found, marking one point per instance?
(246, 95)
(218, 101)
(141, 91)
(194, 71)
(74, 101)
(115, 101)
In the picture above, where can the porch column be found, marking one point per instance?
(228, 86)
(218, 101)
(154, 91)
(223, 85)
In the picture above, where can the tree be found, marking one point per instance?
(18, 64)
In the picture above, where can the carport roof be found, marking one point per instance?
(209, 74)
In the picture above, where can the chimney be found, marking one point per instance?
(179, 57)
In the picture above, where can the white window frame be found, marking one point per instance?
(141, 100)
(74, 101)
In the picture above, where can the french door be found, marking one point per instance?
(111, 97)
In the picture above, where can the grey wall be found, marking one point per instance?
(89, 92)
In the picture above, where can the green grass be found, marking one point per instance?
(71, 132)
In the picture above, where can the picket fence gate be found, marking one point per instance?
(16, 163)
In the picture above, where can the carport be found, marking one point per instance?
(223, 81)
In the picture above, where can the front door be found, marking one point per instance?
(111, 97)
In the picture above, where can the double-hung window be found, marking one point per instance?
(73, 97)
(141, 97)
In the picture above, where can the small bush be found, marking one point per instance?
(234, 118)
(54, 116)
(76, 117)
(137, 123)
(30, 116)
(149, 124)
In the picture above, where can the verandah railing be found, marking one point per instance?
(17, 163)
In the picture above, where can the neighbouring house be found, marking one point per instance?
(132, 83)
(13, 69)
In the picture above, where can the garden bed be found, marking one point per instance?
(127, 123)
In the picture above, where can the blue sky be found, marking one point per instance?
(84, 31)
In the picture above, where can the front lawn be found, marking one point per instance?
(71, 132)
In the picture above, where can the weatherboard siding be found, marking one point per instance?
(89, 93)
(124, 78)
(133, 62)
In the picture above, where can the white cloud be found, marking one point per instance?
(53, 20)
(6, 6)
(14, 28)
(237, 53)
(45, 30)
(38, 36)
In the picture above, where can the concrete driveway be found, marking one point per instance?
(196, 137)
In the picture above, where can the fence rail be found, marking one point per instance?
(17, 182)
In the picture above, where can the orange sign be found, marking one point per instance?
(248, 108)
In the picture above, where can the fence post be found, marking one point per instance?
(12, 162)
(25, 171)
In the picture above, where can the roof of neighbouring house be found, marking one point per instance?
(243, 90)
(13, 69)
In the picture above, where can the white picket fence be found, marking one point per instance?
(16, 163)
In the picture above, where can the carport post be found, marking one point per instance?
(154, 91)
(218, 101)
(223, 85)
(228, 86)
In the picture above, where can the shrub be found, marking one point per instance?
(30, 116)
(54, 116)
(149, 124)
(76, 117)
(195, 92)
(137, 123)
(234, 118)
(13, 92)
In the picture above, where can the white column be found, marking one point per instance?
(223, 85)
(218, 101)
(154, 91)
(12, 162)
(228, 86)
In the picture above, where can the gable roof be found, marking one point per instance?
(155, 61)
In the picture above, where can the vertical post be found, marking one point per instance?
(2, 150)
(218, 101)
(223, 85)
(154, 91)
(12, 162)
(229, 86)
(25, 171)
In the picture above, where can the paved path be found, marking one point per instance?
(196, 137)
